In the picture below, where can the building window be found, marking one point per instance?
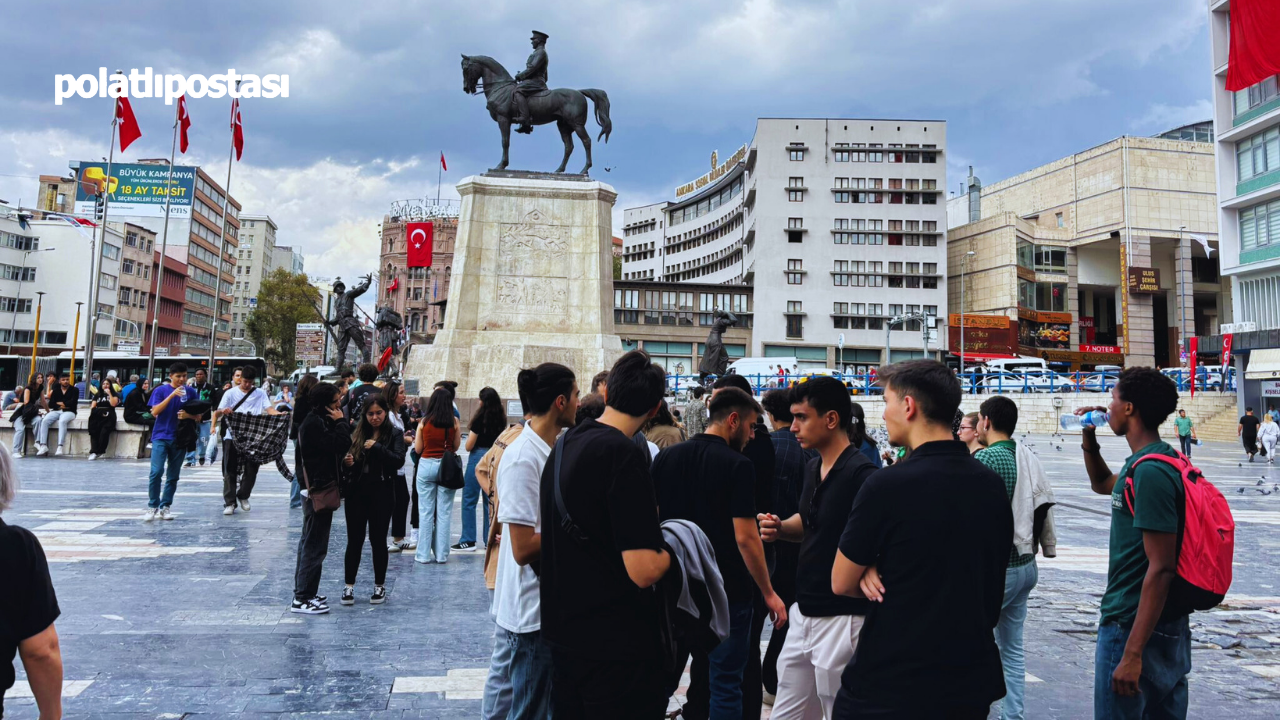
(1258, 154)
(795, 236)
(795, 272)
(795, 319)
(1255, 95)
(795, 223)
(796, 154)
(1058, 217)
(1259, 225)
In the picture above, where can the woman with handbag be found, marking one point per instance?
(102, 416)
(32, 399)
(439, 476)
(323, 439)
(488, 422)
(377, 453)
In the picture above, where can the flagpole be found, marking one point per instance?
(95, 274)
(222, 243)
(439, 176)
(164, 243)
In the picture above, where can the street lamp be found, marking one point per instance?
(35, 336)
(246, 342)
(1182, 290)
(18, 297)
(964, 268)
(136, 327)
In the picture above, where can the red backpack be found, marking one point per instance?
(1206, 538)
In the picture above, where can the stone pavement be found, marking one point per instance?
(190, 617)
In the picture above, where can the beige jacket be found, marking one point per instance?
(486, 474)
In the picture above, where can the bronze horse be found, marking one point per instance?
(565, 107)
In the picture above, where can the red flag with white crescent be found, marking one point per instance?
(237, 128)
(442, 165)
(184, 123)
(129, 130)
(420, 238)
(395, 285)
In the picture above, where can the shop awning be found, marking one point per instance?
(1263, 365)
(984, 357)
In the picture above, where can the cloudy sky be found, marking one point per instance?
(376, 88)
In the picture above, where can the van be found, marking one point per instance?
(1021, 363)
(761, 369)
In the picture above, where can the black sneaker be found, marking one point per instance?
(321, 599)
(348, 596)
(379, 596)
(463, 547)
(309, 607)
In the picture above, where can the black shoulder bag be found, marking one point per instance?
(451, 476)
(222, 426)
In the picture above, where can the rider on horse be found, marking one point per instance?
(531, 81)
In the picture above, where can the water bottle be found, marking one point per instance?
(1075, 423)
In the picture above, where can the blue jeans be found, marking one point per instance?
(1018, 582)
(435, 513)
(470, 496)
(295, 492)
(162, 452)
(726, 664)
(530, 675)
(20, 436)
(497, 687)
(202, 442)
(1166, 660)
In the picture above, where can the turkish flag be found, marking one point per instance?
(1255, 43)
(420, 237)
(1193, 348)
(442, 165)
(395, 285)
(129, 130)
(184, 123)
(237, 128)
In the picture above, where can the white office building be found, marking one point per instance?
(837, 224)
(45, 266)
(1247, 137)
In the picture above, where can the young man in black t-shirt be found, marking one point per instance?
(1247, 431)
(708, 481)
(928, 539)
(599, 610)
(824, 626)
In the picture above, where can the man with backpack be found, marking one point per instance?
(1144, 642)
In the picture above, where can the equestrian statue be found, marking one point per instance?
(526, 101)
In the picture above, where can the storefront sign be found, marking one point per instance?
(1086, 322)
(1144, 281)
(1071, 356)
(1124, 301)
(1270, 388)
(979, 321)
(716, 173)
(983, 340)
(1110, 349)
(1060, 318)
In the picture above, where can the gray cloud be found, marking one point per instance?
(376, 87)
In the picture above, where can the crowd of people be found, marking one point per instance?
(625, 544)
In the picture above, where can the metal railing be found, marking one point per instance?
(972, 383)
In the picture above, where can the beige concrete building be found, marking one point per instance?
(254, 260)
(135, 287)
(670, 320)
(420, 293)
(1097, 258)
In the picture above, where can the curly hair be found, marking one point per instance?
(1154, 395)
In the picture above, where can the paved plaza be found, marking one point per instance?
(190, 618)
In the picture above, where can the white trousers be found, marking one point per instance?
(812, 660)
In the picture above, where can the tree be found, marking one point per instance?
(617, 267)
(284, 300)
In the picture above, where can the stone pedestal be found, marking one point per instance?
(532, 282)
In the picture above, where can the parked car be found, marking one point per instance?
(1098, 382)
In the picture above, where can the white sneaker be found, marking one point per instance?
(149, 515)
(44, 450)
(413, 539)
(244, 505)
(229, 510)
(92, 456)
(165, 514)
(59, 451)
(18, 455)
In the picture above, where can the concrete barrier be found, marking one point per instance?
(126, 442)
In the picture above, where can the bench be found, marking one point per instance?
(126, 442)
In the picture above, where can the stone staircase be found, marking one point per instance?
(1220, 425)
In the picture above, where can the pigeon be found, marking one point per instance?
(1240, 465)
(1262, 481)
(1240, 490)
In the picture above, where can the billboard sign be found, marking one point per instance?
(136, 190)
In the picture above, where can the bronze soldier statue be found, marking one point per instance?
(344, 317)
(715, 359)
(531, 81)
